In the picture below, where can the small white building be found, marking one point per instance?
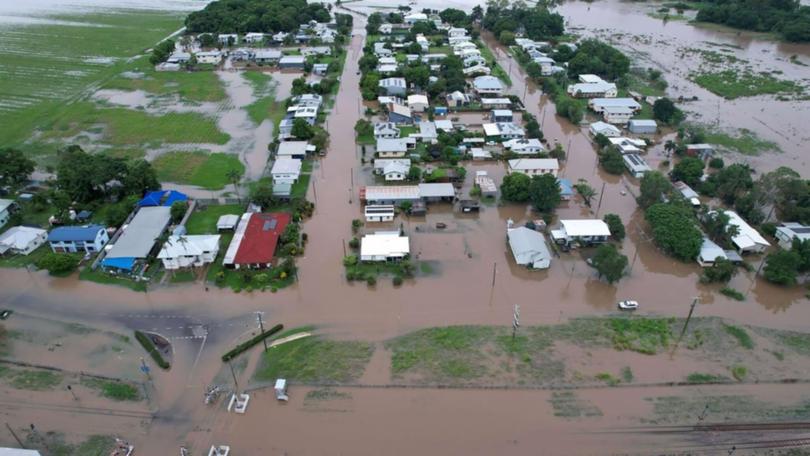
(254, 38)
(503, 131)
(789, 231)
(599, 104)
(520, 146)
(599, 89)
(209, 57)
(617, 115)
(605, 129)
(418, 103)
(396, 170)
(226, 39)
(394, 147)
(534, 166)
(529, 248)
(286, 170)
(384, 246)
(379, 212)
(189, 251)
(294, 149)
(22, 240)
(414, 18)
(710, 253)
(642, 126)
(748, 240)
(227, 222)
(583, 231)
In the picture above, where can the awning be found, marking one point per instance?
(125, 263)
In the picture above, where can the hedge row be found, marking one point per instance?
(147, 344)
(239, 349)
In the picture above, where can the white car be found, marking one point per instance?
(628, 305)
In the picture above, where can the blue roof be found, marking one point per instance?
(162, 198)
(125, 263)
(566, 188)
(74, 233)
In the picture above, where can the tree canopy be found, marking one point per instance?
(615, 225)
(689, 170)
(612, 161)
(537, 22)
(609, 263)
(544, 191)
(782, 267)
(674, 230)
(15, 167)
(243, 16)
(786, 17)
(596, 57)
(86, 178)
(654, 187)
(515, 187)
(666, 111)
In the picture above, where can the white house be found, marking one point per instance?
(710, 253)
(254, 38)
(209, 57)
(599, 104)
(503, 130)
(457, 31)
(395, 171)
(605, 129)
(423, 42)
(617, 115)
(227, 222)
(6, 207)
(72, 239)
(529, 248)
(22, 240)
(600, 89)
(748, 239)
(418, 103)
(583, 231)
(384, 246)
(385, 130)
(386, 29)
(414, 18)
(522, 146)
(636, 165)
(789, 231)
(394, 147)
(379, 212)
(477, 69)
(226, 39)
(189, 251)
(488, 85)
(381, 51)
(534, 166)
(294, 149)
(286, 170)
(393, 86)
(546, 64)
(628, 145)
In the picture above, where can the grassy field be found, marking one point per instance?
(205, 221)
(22, 261)
(209, 171)
(47, 64)
(117, 391)
(99, 276)
(315, 359)
(196, 86)
(728, 408)
(735, 83)
(266, 106)
(745, 142)
(54, 444)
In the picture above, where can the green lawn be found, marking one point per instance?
(99, 276)
(736, 83)
(190, 86)
(209, 171)
(205, 221)
(299, 188)
(115, 390)
(746, 142)
(266, 106)
(34, 85)
(22, 261)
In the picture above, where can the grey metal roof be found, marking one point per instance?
(528, 246)
(142, 232)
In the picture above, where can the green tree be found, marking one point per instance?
(140, 178)
(609, 263)
(732, 181)
(802, 248)
(596, 57)
(414, 174)
(544, 191)
(58, 264)
(15, 168)
(234, 175)
(601, 140)
(515, 188)
(364, 128)
(612, 161)
(665, 111)
(674, 230)
(688, 170)
(369, 85)
(417, 74)
(721, 271)
(301, 129)
(161, 52)
(585, 191)
(615, 225)
(178, 210)
(506, 38)
(117, 213)
(654, 187)
(262, 195)
(782, 267)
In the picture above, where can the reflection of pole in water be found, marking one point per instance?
(685, 325)
(601, 194)
(754, 280)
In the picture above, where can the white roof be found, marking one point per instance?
(487, 83)
(617, 110)
(189, 245)
(643, 123)
(292, 59)
(792, 230)
(417, 99)
(636, 163)
(20, 237)
(491, 129)
(592, 87)
(387, 61)
(396, 167)
(534, 163)
(4, 204)
(502, 112)
(18, 452)
(288, 148)
(400, 109)
(748, 237)
(434, 190)
(616, 102)
(523, 143)
(528, 246)
(387, 68)
(585, 227)
(590, 78)
(392, 192)
(478, 152)
(495, 101)
(604, 128)
(685, 190)
(389, 244)
(227, 221)
(709, 251)
(444, 124)
(142, 232)
(416, 17)
(392, 82)
(427, 129)
(393, 144)
(381, 163)
(286, 165)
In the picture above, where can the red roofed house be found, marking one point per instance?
(254, 241)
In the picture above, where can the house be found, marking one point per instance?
(478, 153)
(379, 213)
(320, 69)
(787, 232)
(503, 130)
(227, 39)
(747, 240)
(628, 145)
(485, 184)
(642, 126)
(617, 114)
(566, 189)
(414, 18)
(529, 248)
(702, 151)
(600, 89)
(253, 38)
(546, 64)
(399, 114)
(279, 37)
(381, 163)
(501, 115)
(292, 62)
(456, 31)
(72, 239)
(394, 147)
(7, 207)
(495, 103)
(393, 86)
(435, 192)
(22, 240)
(286, 170)
(316, 51)
(255, 239)
(227, 222)
(308, 113)
(267, 56)
(179, 57)
(395, 170)
(477, 70)
(385, 130)
(487, 85)
(386, 100)
(590, 78)
(636, 165)
(386, 29)
(209, 57)
(427, 131)
(308, 99)
(162, 198)
(521, 146)
(534, 166)
(599, 104)
(605, 129)
(381, 51)
(474, 60)
(386, 69)
(240, 55)
(457, 99)
(582, 231)
(189, 251)
(710, 253)
(418, 103)
(18, 452)
(445, 125)
(294, 149)
(391, 194)
(138, 238)
(687, 192)
(285, 128)
(384, 246)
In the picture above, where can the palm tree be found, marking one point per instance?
(669, 146)
(586, 191)
(234, 175)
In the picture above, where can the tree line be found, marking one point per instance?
(788, 18)
(243, 16)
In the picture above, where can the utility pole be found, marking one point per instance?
(235, 383)
(344, 247)
(685, 324)
(314, 190)
(494, 269)
(69, 388)
(15, 436)
(515, 320)
(601, 194)
(261, 327)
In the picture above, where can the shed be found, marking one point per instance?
(227, 222)
(529, 248)
(642, 126)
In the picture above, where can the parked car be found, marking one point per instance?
(628, 305)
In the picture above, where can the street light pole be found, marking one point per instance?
(261, 327)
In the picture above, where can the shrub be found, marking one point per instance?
(58, 264)
(371, 280)
(350, 260)
(150, 348)
(244, 346)
(732, 293)
(397, 280)
(354, 243)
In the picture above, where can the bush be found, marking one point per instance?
(150, 348)
(244, 346)
(716, 163)
(612, 161)
(354, 243)
(58, 264)
(397, 280)
(371, 280)
(350, 260)
(721, 271)
(614, 223)
(732, 293)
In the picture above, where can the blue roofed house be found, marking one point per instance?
(566, 189)
(72, 239)
(162, 198)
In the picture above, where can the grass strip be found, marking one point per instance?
(244, 346)
(147, 344)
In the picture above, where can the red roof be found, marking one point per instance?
(261, 236)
